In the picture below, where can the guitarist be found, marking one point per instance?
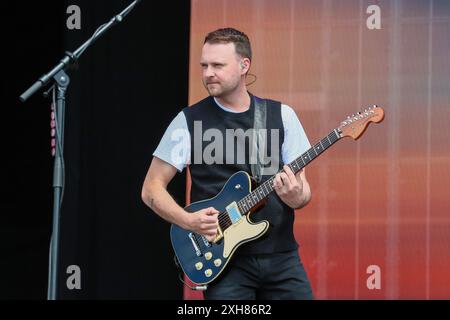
(267, 268)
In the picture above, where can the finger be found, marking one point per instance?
(208, 212)
(285, 179)
(290, 174)
(209, 219)
(211, 232)
(208, 229)
(211, 211)
(277, 181)
(209, 225)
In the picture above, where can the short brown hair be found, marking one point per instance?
(227, 35)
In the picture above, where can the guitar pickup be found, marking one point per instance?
(233, 212)
(206, 242)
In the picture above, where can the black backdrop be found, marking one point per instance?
(127, 88)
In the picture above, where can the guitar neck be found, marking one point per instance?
(250, 201)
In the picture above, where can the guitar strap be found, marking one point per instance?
(258, 143)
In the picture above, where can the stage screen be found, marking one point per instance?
(380, 205)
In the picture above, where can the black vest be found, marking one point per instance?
(208, 179)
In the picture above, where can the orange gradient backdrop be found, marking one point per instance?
(382, 200)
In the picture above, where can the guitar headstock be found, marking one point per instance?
(355, 125)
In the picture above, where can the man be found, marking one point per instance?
(268, 268)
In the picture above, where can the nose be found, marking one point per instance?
(208, 72)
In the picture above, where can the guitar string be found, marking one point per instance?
(223, 217)
(225, 220)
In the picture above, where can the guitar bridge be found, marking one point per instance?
(195, 244)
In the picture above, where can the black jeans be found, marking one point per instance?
(262, 277)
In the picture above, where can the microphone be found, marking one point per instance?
(125, 12)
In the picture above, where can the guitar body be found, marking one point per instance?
(202, 261)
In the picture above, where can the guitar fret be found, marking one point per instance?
(303, 163)
(309, 155)
(330, 137)
(291, 167)
(299, 166)
(263, 187)
(263, 190)
(305, 158)
(336, 133)
(321, 145)
(317, 149)
(270, 184)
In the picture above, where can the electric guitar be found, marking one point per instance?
(203, 261)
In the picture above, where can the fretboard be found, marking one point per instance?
(250, 201)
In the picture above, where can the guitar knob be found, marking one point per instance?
(208, 273)
(199, 266)
(217, 262)
(208, 256)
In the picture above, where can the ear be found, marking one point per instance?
(245, 65)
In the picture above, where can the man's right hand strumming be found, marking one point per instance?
(204, 222)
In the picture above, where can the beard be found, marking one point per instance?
(220, 89)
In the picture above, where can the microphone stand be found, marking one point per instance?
(61, 82)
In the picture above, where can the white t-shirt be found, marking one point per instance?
(175, 145)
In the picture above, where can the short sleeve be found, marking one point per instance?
(295, 140)
(175, 145)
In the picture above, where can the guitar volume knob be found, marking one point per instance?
(199, 266)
